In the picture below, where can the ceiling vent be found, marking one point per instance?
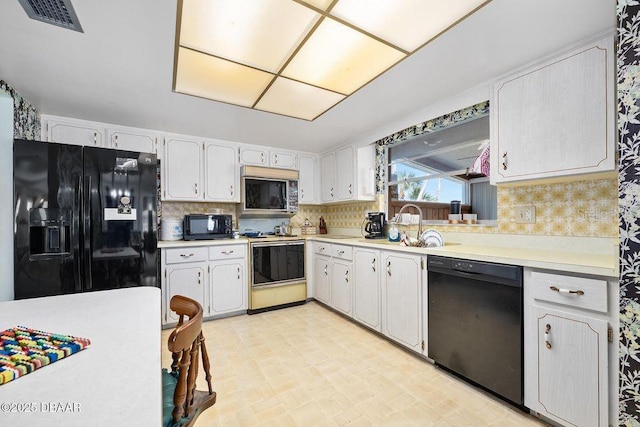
(56, 12)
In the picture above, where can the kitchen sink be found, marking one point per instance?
(387, 242)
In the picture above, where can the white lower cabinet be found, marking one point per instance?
(402, 299)
(215, 276)
(322, 278)
(229, 290)
(572, 368)
(189, 280)
(366, 283)
(341, 286)
(570, 364)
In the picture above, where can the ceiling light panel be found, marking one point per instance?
(407, 24)
(296, 99)
(341, 59)
(320, 4)
(210, 77)
(258, 33)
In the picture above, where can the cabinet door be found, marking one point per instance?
(341, 286)
(366, 303)
(229, 286)
(572, 368)
(281, 159)
(75, 134)
(557, 118)
(307, 181)
(182, 170)
(345, 173)
(322, 279)
(221, 173)
(187, 280)
(252, 156)
(402, 299)
(328, 177)
(130, 141)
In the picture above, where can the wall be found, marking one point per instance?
(18, 119)
(629, 208)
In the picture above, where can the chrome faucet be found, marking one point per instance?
(411, 205)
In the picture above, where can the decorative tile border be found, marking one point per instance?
(629, 209)
(26, 119)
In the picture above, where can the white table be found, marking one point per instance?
(116, 381)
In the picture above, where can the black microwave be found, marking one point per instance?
(207, 226)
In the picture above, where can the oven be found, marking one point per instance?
(277, 275)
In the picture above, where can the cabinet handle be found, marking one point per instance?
(321, 249)
(331, 192)
(116, 143)
(504, 161)
(227, 252)
(389, 268)
(350, 191)
(275, 159)
(231, 190)
(196, 187)
(262, 157)
(547, 336)
(566, 291)
(325, 270)
(199, 281)
(302, 193)
(186, 255)
(238, 271)
(340, 252)
(95, 138)
(346, 276)
(373, 265)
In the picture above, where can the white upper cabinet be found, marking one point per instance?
(132, 140)
(74, 132)
(221, 173)
(347, 174)
(282, 159)
(307, 180)
(328, 177)
(260, 156)
(556, 118)
(254, 157)
(183, 163)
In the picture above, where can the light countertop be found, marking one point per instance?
(115, 381)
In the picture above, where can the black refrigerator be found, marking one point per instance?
(84, 219)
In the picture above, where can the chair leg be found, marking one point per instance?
(181, 388)
(205, 363)
(191, 378)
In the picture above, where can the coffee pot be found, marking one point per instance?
(375, 225)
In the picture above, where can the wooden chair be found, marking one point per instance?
(185, 344)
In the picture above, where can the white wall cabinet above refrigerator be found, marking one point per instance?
(74, 132)
(347, 174)
(132, 140)
(556, 118)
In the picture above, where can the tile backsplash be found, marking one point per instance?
(580, 209)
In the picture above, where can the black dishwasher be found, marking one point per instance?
(475, 323)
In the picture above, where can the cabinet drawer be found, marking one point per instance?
(342, 252)
(590, 294)
(227, 252)
(178, 255)
(322, 248)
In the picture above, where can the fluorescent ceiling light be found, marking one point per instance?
(299, 58)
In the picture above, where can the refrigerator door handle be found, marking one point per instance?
(75, 236)
(87, 233)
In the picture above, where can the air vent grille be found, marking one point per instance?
(56, 12)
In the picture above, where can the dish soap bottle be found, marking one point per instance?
(394, 234)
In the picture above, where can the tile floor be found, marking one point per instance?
(308, 366)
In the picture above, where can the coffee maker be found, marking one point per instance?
(375, 225)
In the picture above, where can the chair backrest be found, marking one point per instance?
(184, 344)
(185, 334)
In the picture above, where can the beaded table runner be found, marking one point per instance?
(23, 350)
